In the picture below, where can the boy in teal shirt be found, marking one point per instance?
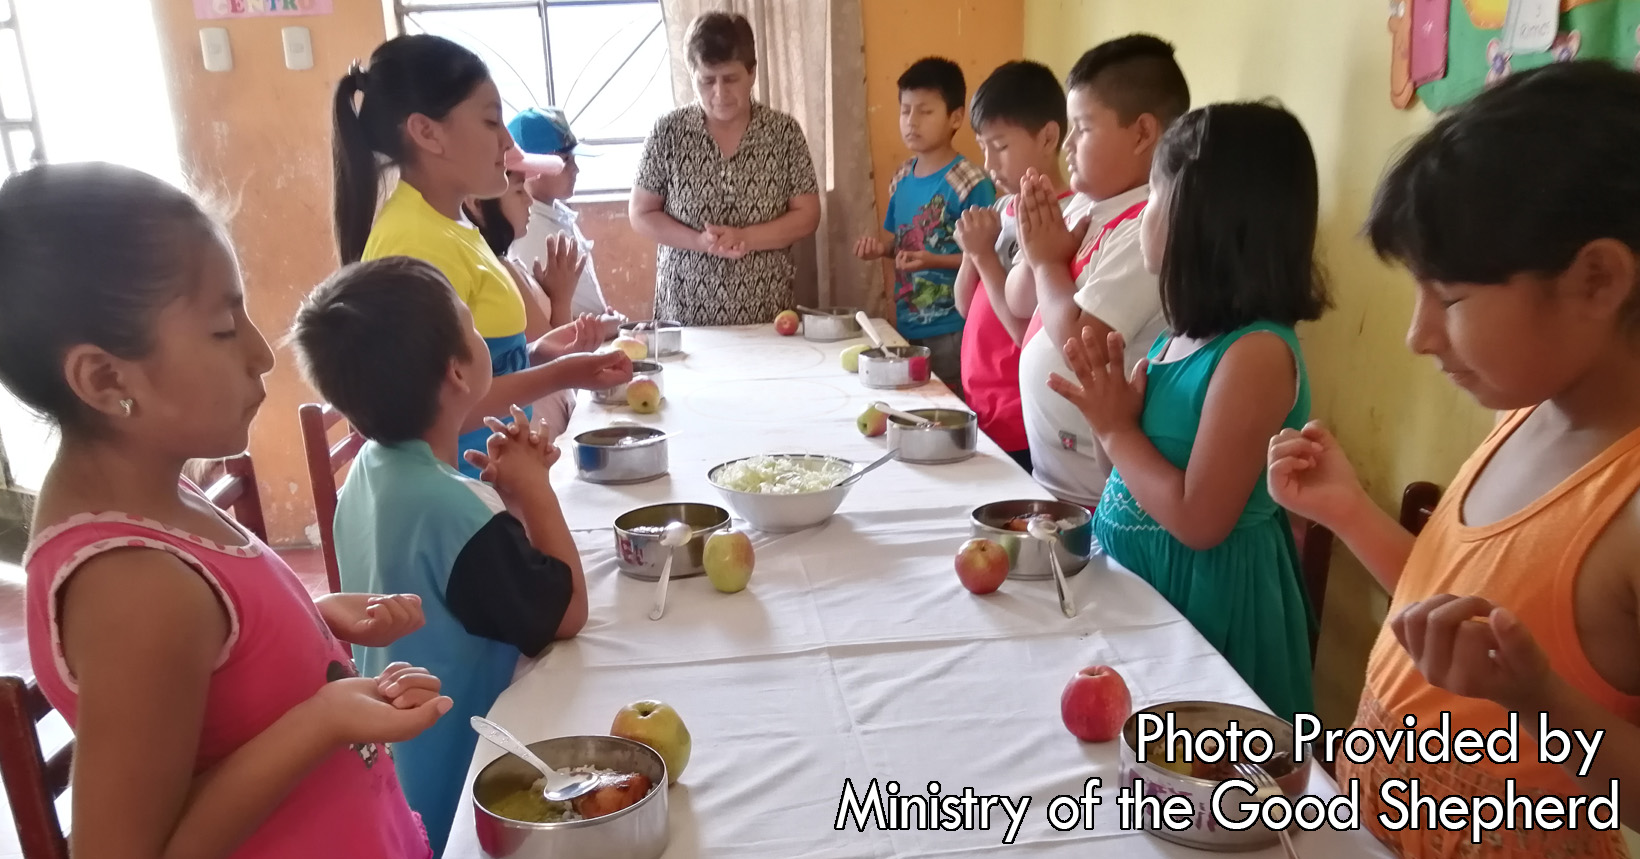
(392, 347)
(926, 196)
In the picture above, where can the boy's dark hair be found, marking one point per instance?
(492, 224)
(90, 253)
(1456, 207)
(375, 340)
(1242, 197)
(409, 74)
(715, 38)
(940, 75)
(1020, 93)
(1134, 75)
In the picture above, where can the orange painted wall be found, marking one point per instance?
(978, 35)
(260, 134)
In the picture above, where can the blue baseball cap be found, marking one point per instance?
(542, 131)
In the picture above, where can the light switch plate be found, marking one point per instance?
(298, 48)
(213, 44)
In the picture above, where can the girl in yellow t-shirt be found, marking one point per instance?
(428, 106)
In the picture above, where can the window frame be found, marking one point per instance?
(404, 8)
(32, 124)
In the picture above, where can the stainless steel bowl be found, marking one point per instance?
(664, 337)
(638, 549)
(784, 513)
(616, 396)
(1027, 556)
(951, 438)
(638, 831)
(1204, 832)
(830, 324)
(621, 454)
(895, 367)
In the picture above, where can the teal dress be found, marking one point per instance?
(1244, 595)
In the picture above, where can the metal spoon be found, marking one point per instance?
(853, 478)
(1044, 528)
(915, 420)
(676, 534)
(869, 329)
(559, 786)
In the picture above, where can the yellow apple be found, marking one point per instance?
(728, 559)
(851, 356)
(644, 396)
(634, 348)
(658, 726)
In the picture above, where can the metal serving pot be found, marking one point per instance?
(951, 437)
(895, 367)
(621, 454)
(829, 324)
(664, 337)
(1027, 556)
(638, 831)
(638, 549)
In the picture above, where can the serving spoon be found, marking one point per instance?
(559, 786)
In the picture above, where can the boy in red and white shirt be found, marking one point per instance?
(1122, 95)
(1018, 115)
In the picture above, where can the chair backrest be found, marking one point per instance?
(1315, 545)
(230, 484)
(324, 460)
(33, 782)
(1418, 504)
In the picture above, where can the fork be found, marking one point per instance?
(1266, 784)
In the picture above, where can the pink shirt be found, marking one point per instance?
(279, 652)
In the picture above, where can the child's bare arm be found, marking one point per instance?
(1310, 476)
(1020, 290)
(142, 633)
(963, 288)
(1470, 647)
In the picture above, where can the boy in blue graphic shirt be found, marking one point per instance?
(391, 346)
(926, 196)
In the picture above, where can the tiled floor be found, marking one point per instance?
(308, 564)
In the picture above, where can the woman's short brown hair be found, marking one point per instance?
(715, 38)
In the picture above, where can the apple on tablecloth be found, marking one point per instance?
(786, 323)
(634, 348)
(658, 726)
(644, 396)
(1095, 704)
(851, 357)
(728, 559)
(872, 423)
(982, 565)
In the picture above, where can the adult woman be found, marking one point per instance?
(429, 106)
(726, 186)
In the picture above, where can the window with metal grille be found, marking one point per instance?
(19, 122)
(604, 62)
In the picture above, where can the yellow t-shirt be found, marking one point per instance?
(407, 226)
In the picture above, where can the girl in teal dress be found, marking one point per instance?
(1230, 231)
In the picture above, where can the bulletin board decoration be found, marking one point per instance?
(1476, 56)
(206, 10)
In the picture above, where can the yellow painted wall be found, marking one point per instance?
(977, 35)
(1328, 62)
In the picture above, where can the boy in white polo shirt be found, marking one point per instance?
(1120, 97)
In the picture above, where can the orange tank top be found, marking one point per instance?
(1528, 563)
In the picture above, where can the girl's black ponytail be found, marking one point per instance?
(357, 176)
(406, 75)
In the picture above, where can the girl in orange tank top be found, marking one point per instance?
(1519, 598)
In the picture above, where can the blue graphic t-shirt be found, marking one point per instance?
(922, 215)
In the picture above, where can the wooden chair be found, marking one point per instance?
(1315, 545)
(324, 460)
(1418, 504)
(230, 484)
(33, 781)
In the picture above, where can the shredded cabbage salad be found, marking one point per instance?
(779, 475)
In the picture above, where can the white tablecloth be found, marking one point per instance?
(855, 653)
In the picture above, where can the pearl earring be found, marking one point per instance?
(126, 405)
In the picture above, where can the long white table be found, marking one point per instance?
(855, 653)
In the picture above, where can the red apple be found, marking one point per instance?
(786, 323)
(1095, 704)
(982, 565)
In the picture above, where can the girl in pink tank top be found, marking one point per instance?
(216, 708)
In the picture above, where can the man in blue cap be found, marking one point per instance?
(543, 135)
